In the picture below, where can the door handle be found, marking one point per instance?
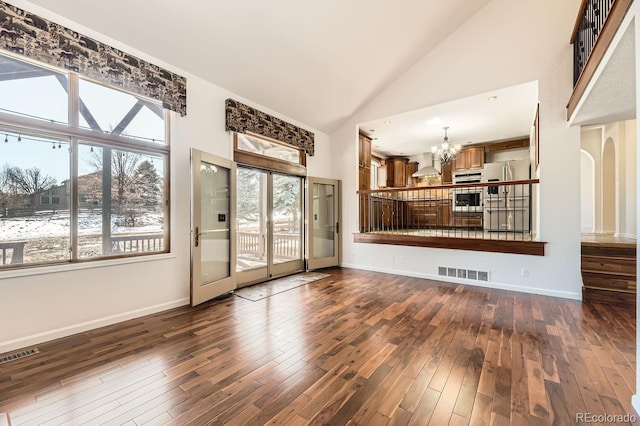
(337, 227)
(197, 238)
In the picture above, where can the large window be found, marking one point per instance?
(81, 176)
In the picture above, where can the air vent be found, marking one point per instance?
(18, 355)
(469, 274)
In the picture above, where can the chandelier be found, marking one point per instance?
(446, 152)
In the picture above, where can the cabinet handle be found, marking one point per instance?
(197, 239)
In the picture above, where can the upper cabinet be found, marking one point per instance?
(364, 162)
(445, 174)
(364, 151)
(396, 171)
(469, 158)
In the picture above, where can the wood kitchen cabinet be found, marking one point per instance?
(387, 214)
(410, 169)
(396, 172)
(364, 179)
(469, 158)
(467, 220)
(445, 173)
(428, 213)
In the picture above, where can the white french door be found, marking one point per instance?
(213, 237)
(268, 225)
(323, 222)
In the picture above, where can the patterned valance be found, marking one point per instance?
(29, 35)
(243, 118)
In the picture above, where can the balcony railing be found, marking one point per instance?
(596, 25)
(594, 14)
(444, 216)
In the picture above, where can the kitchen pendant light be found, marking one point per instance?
(446, 152)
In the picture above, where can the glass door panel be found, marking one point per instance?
(268, 247)
(286, 224)
(251, 225)
(323, 209)
(213, 192)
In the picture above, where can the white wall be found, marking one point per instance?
(623, 138)
(506, 43)
(587, 192)
(45, 303)
(591, 142)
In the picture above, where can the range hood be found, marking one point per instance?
(426, 166)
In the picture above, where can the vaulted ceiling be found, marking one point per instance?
(317, 62)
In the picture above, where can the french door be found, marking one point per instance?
(213, 238)
(323, 222)
(269, 229)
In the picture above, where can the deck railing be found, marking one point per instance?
(12, 252)
(253, 243)
(486, 211)
(139, 243)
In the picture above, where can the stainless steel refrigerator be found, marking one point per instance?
(507, 208)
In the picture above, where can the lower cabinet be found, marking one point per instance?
(467, 220)
(428, 213)
(387, 214)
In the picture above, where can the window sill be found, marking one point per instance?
(68, 267)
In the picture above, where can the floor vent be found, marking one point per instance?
(469, 274)
(18, 355)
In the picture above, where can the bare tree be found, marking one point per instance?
(123, 167)
(27, 182)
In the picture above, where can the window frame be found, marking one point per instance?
(75, 135)
(269, 163)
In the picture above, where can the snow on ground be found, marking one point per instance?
(57, 225)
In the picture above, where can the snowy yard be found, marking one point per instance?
(48, 234)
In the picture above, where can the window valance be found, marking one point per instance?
(29, 35)
(242, 118)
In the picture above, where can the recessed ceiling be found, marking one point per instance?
(502, 114)
(316, 62)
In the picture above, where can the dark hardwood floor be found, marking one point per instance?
(356, 347)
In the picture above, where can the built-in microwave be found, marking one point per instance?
(467, 199)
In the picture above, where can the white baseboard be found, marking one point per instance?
(35, 339)
(488, 284)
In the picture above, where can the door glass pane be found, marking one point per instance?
(287, 235)
(323, 220)
(251, 224)
(215, 235)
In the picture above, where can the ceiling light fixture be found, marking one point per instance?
(445, 152)
(492, 98)
(387, 122)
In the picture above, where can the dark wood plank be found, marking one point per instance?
(356, 347)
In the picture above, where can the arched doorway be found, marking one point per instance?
(587, 192)
(609, 187)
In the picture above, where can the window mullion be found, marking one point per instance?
(74, 122)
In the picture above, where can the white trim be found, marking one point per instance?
(487, 284)
(68, 267)
(46, 336)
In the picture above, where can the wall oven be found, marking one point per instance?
(467, 199)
